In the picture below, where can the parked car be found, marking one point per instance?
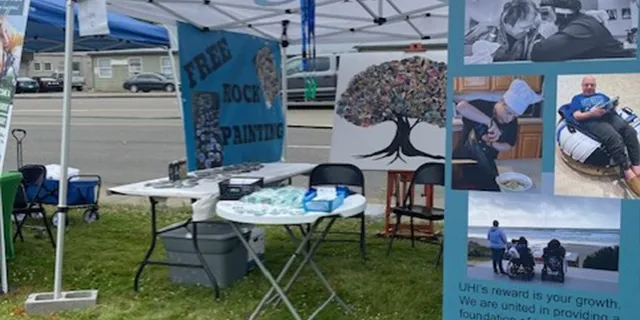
(326, 75)
(146, 82)
(48, 84)
(170, 78)
(26, 84)
(77, 80)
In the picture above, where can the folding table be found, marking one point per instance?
(236, 212)
(195, 189)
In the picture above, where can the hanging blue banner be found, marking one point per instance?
(231, 91)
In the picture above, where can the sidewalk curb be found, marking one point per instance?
(304, 126)
(93, 96)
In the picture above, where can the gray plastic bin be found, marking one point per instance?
(222, 250)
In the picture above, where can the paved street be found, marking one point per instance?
(130, 139)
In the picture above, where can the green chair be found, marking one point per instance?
(9, 182)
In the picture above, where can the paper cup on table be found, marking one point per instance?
(522, 182)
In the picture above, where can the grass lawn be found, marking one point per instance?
(104, 256)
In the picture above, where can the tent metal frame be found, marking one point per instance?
(274, 17)
(57, 45)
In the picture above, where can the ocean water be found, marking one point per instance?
(599, 237)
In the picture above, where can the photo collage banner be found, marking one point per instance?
(543, 160)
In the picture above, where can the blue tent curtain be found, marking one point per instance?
(46, 22)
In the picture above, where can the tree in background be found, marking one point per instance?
(603, 259)
(406, 92)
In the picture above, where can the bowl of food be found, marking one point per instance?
(514, 182)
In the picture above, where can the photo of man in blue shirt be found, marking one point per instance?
(595, 112)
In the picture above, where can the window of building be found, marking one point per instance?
(165, 66)
(104, 68)
(75, 66)
(37, 66)
(47, 66)
(135, 65)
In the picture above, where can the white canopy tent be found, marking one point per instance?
(336, 21)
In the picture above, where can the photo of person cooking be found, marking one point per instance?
(490, 135)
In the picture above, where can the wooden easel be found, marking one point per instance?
(415, 47)
(398, 182)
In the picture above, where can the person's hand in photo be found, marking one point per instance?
(597, 112)
(494, 132)
(547, 29)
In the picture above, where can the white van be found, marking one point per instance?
(326, 75)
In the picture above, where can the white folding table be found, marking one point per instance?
(236, 212)
(198, 186)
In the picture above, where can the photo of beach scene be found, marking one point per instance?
(565, 242)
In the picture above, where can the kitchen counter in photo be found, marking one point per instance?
(529, 167)
(457, 122)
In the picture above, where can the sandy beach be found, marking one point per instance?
(582, 250)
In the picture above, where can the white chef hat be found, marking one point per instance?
(520, 96)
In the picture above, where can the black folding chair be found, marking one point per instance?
(33, 177)
(427, 174)
(333, 174)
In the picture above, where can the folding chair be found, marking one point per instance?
(27, 199)
(427, 174)
(332, 174)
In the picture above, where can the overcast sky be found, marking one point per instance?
(540, 211)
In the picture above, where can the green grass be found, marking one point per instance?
(104, 256)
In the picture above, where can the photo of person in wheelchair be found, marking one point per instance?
(521, 262)
(598, 137)
(555, 266)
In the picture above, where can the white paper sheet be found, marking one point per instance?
(325, 193)
(92, 18)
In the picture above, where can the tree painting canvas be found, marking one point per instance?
(390, 110)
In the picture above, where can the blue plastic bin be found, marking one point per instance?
(81, 192)
(310, 204)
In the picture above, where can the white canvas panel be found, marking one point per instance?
(351, 140)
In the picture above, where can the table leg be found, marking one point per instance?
(154, 238)
(203, 262)
(267, 274)
(152, 247)
(308, 260)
